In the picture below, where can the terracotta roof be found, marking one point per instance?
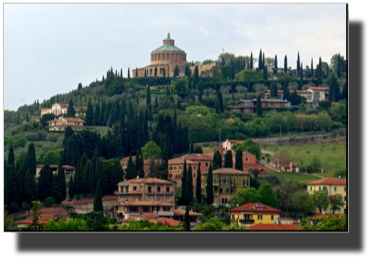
(67, 126)
(273, 227)
(236, 141)
(69, 119)
(318, 88)
(146, 180)
(329, 181)
(55, 166)
(180, 212)
(296, 222)
(294, 164)
(29, 221)
(227, 171)
(290, 91)
(84, 201)
(55, 211)
(180, 160)
(251, 207)
(149, 215)
(198, 157)
(47, 215)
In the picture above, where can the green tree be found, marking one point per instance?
(180, 86)
(11, 156)
(198, 193)
(148, 99)
(209, 186)
(320, 200)
(36, 215)
(69, 225)
(151, 150)
(217, 160)
(131, 172)
(239, 160)
(325, 223)
(268, 196)
(31, 161)
(265, 73)
(45, 183)
(212, 224)
(316, 163)
(49, 201)
(89, 114)
(228, 159)
(29, 188)
(186, 223)
(302, 202)
(98, 202)
(245, 196)
(336, 202)
(71, 110)
(286, 64)
(184, 181)
(249, 146)
(259, 108)
(256, 173)
(189, 195)
(71, 188)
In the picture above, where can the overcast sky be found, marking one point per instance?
(50, 48)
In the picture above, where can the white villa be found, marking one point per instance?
(60, 109)
(61, 123)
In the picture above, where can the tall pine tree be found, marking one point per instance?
(209, 186)
(198, 193)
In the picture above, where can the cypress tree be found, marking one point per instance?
(251, 62)
(45, 183)
(196, 75)
(217, 106)
(217, 160)
(89, 114)
(298, 62)
(62, 182)
(137, 74)
(339, 69)
(263, 60)
(275, 64)
(183, 180)
(95, 121)
(131, 169)
(71, 188)
(209, 187)
(228, 159)
(259, 107)
(71, 110)
(198, 193)
(311, 68)
(31, 159)
(179, 138)
(148, 99)
(56, 189)
(11, 156)
(239, 160)
(129, 76)
(301, 76)
(156, 104)
(84, 179)
(155, 71)
(286, 64)
(260, 60)
(29, 182)
(98, 202)
(189, 196)
(102, 112)
(265, 73)
(191, 148)
(186, 223)
(77, 179)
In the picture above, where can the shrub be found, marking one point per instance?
(13, 207)
(49, 201)
(20, 218)
(303, 169)
(20, 142)
(26, 206)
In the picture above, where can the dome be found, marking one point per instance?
(168, 47)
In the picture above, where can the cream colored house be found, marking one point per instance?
(61, 123)
(59, 109)
(319, 94)
(330, 186)
(227, 145)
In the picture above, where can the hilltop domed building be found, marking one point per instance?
(165, 59)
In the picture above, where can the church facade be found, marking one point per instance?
(163, 61)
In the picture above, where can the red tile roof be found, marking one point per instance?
(290, 91)
(236, 141)
(180, 212)
(329, 181)
(67, 119)
(29, 221)
(67, 126)
(255, 207)
(55, 166)
(273, 227)
(47, 216)
(318, 88)
(227, 171)
(146, 180)
(294, 165)
(55, 211)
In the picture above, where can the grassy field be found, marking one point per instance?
(302, 177)
(332, 155)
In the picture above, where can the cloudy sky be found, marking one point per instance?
(50, 48)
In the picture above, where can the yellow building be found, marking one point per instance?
(164, 58)
(331, 187)
(253, 214)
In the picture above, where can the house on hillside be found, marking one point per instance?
(227, 145)
(61, 123)
(330, 186)
(254, 214)
(250, 106)
(60, 109)
(284, 167)
(68, 170)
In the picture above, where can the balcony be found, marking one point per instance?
(169, 193)
(121, 192)
(246, 221)
(150, 193)
(160, 193)
(215, 184)
(165, 213)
